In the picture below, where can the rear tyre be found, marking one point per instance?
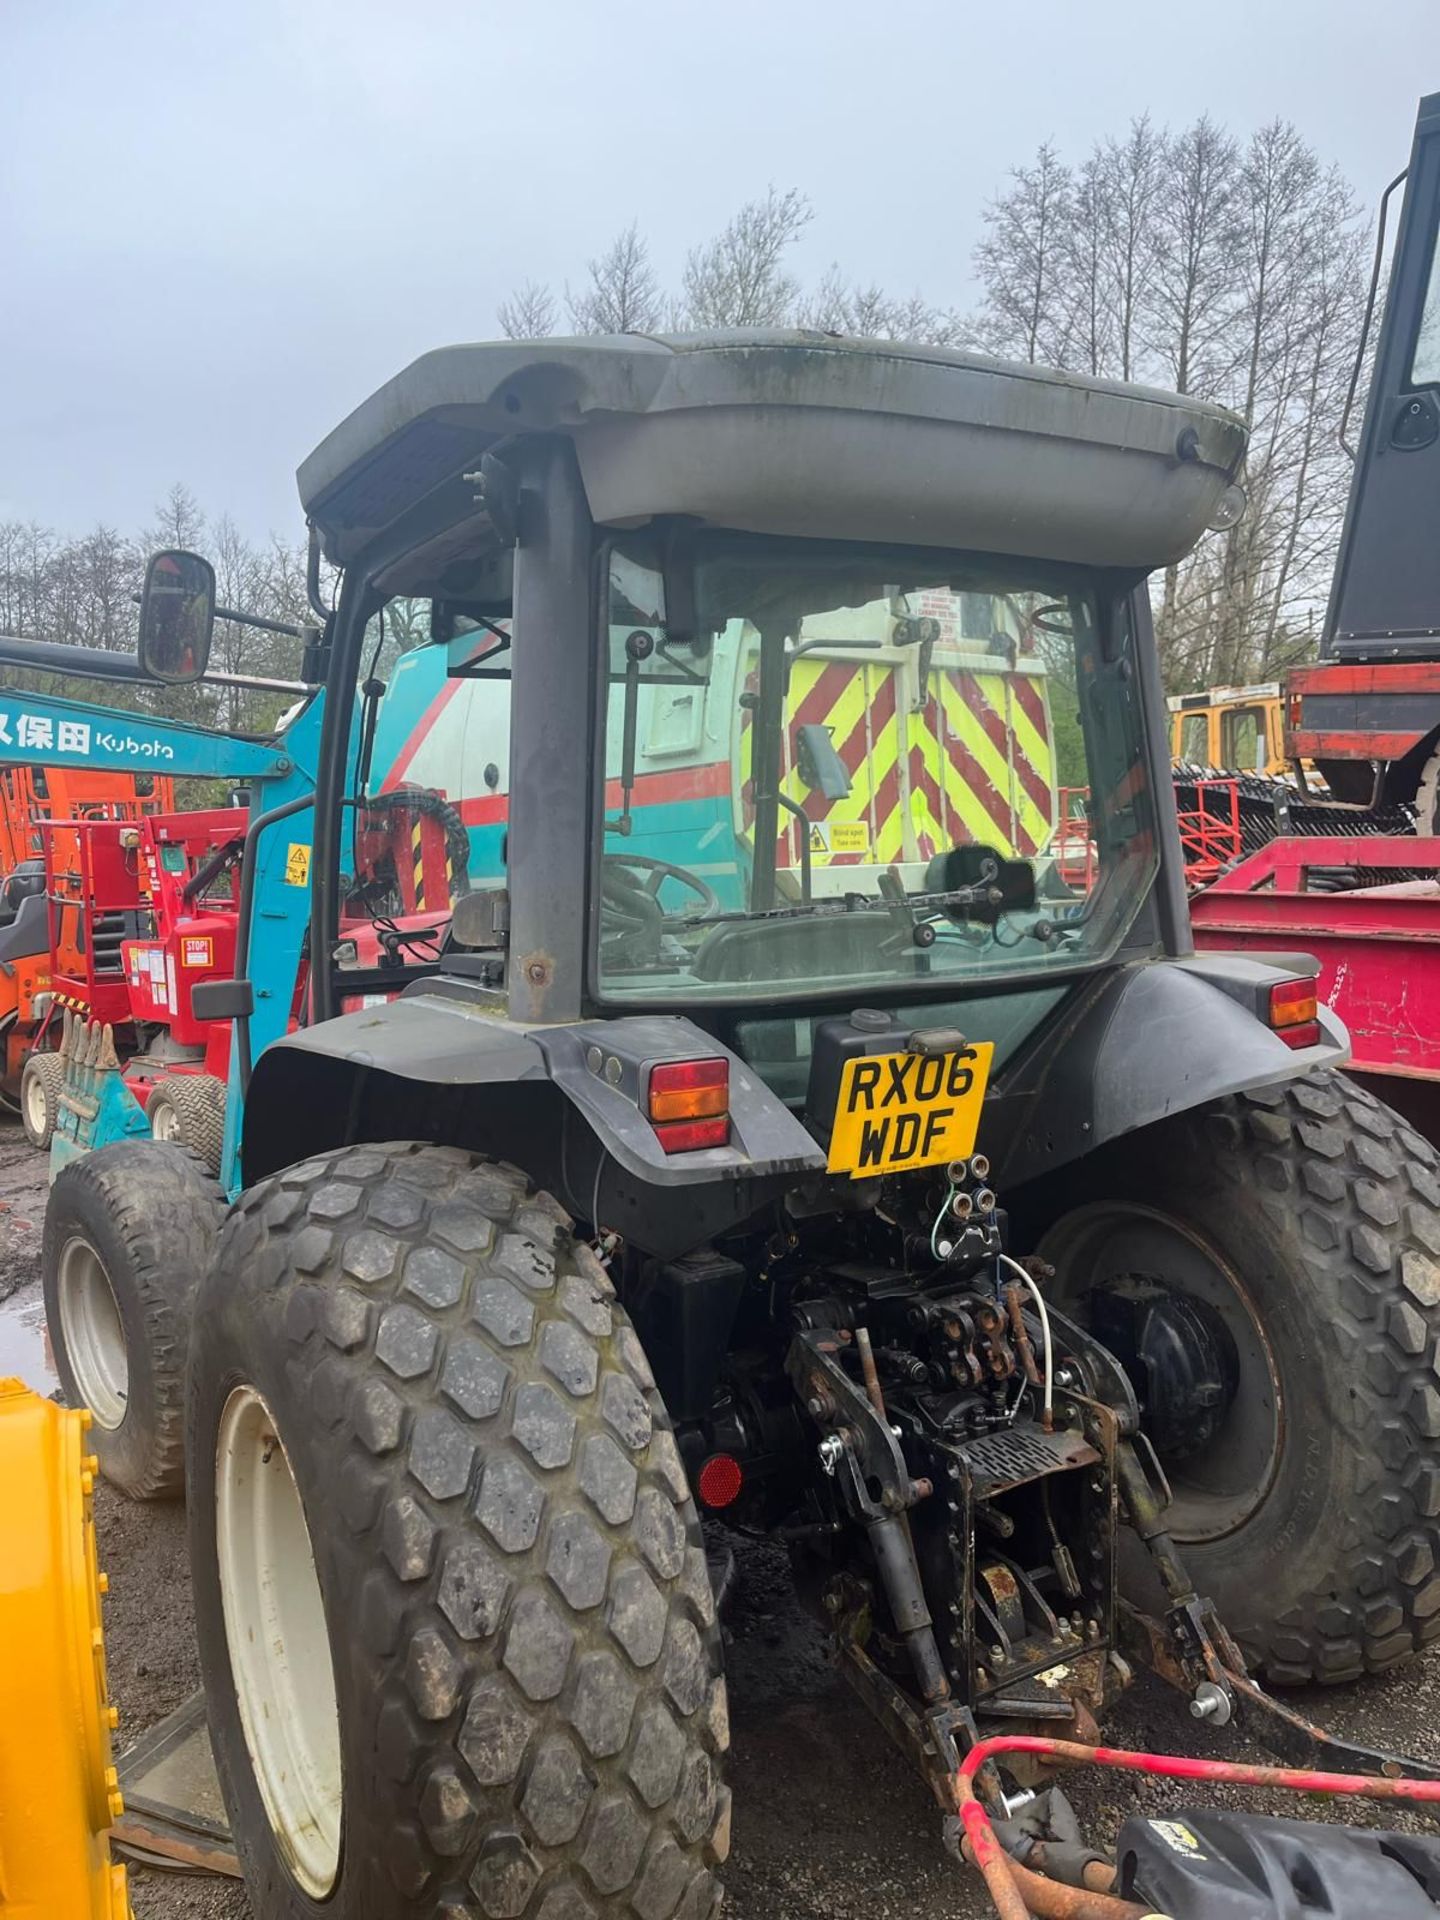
(429, 1464)
(1305, 1219)
(40, 1084)
(188, 1110)
(128, 1231)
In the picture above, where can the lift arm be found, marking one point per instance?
(38, 729)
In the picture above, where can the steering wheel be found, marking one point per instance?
(631, 916)
(631, 895)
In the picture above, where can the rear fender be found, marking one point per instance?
(442, 1063)
(1139, 1044)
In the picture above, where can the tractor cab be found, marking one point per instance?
(779, 670)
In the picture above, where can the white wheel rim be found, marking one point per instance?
(279, 1647)
(32, 1094)
(93, 1333)
(164, 1121)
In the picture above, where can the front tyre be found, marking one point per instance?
(457, 1632)
(188, 1109)
(128, 1231)
(1297, 1397)
(40, 1082)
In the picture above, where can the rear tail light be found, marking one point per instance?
(688, 1102)
(1294, 1013)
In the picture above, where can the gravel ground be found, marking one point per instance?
(829, 1821)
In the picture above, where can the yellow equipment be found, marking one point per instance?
(58, 1789)
(1241, 729)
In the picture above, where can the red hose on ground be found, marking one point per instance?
(995, 1864)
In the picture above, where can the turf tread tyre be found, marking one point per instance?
(151, 1213)
(198, 1103)
(1319, 1169)
(45, 1073)
(531, 1704)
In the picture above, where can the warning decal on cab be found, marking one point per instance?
(839, 836)
(197, 950)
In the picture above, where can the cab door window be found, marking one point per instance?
(1195, 739)
(1242, 740)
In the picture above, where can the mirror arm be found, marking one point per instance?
(254, 620)
(265, 626)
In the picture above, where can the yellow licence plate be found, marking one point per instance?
(903, 1110)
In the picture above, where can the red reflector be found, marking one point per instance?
(688, 1136)
(1306, 1035)
(1293, 1004)
(720, 1480)
(689, 1089)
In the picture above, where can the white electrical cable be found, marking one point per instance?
(1035, 1294)
(935, 1253)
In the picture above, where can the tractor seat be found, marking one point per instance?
(769, 950)
(27, 878)
(28, 934)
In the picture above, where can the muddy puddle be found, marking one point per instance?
(24, 1348)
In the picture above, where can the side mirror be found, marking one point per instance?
(819, 764)
(177, 616)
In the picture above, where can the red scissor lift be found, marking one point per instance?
(140, 913)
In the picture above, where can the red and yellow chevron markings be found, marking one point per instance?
(974, 762)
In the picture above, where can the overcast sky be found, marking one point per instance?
(223, 223)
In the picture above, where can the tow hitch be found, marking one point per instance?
(1192, 1865)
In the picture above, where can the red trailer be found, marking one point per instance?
(1378, 947)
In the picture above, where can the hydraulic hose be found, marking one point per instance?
(1055, 1900)
(1012, 1894)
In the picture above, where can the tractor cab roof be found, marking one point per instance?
(796, 433)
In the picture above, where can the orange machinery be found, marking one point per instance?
(30, 795)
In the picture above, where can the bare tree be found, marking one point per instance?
(27, 558)
(621, 294)
(1131, 173)
(1089, 327)
(1022, 261)
(1195, 238)
(1275, 207)
(529, 313)
(869, 313)
(1229, 273)
(1187, 304)
(738, 279)
(178, 521)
